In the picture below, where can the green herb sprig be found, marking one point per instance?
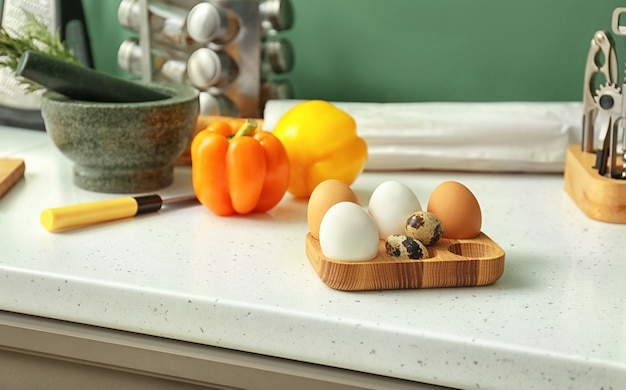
(34, 35)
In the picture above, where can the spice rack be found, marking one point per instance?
(230, 50)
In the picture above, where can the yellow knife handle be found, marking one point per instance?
(88, 213)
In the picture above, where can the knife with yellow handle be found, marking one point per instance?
(106, 210)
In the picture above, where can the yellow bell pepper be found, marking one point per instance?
(322, 143)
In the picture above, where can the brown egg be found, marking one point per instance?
(325, 195)
(457, 209)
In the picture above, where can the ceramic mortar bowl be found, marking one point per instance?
(122, 147)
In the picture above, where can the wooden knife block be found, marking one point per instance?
(599, 197)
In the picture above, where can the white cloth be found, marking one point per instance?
(502, 136)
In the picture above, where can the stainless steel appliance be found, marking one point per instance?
(230, 50)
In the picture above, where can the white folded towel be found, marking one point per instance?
(502, 136)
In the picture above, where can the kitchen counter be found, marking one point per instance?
(556, 319)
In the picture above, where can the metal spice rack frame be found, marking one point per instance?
(230, 50)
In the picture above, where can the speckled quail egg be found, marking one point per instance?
(405, 247)
(424, 226)
(390, 205)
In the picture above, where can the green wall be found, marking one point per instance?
(424, 50)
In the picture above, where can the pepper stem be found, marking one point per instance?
(248, 127)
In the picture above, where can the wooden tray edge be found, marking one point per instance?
(444, 269)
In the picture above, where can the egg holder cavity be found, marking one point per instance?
(452, 263)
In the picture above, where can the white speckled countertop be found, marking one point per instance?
(555, 320)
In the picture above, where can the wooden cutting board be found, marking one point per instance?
(453, 263)
(11, 170)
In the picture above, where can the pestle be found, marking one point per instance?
(80, 83)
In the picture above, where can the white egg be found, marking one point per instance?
(348, 233)
(390, 205)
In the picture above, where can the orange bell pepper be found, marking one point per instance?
(239, 173)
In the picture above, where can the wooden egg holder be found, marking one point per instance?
(599, 197)
(452, 263)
